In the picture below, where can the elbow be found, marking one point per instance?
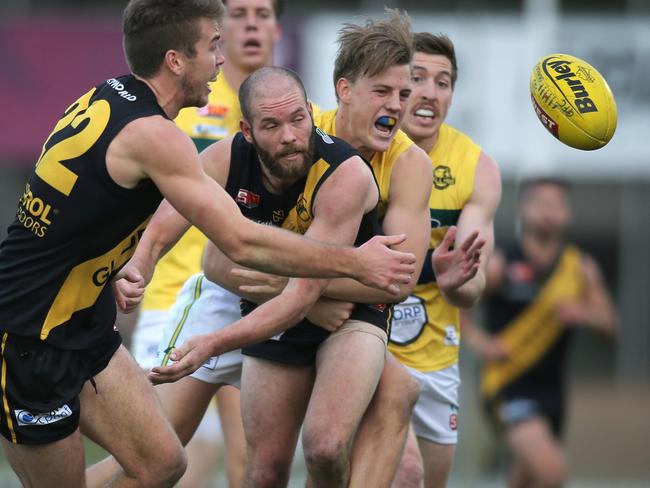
(237, 246)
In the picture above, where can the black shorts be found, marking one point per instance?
(512, 408)
(299, 345)
(41, 386)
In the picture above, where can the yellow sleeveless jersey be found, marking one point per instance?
(425, 333)
(381, 163)
(217, 120)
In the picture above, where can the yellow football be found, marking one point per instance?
(573, 101)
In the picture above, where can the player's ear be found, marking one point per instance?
(246, 130)
(174, 62)
(277, 35)
(343, 90)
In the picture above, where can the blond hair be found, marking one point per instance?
(370, 49)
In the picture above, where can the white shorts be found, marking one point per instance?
(146, 336)
(435, 417)
(203, 307)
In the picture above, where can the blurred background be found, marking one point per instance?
(53, 50)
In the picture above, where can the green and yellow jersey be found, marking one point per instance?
(425, 332)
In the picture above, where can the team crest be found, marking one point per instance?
(442, 177)
(302, 210)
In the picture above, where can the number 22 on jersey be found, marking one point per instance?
(81, 126)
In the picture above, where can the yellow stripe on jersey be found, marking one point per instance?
(381, 163)
(425, 333)
(86, 281)
(5, 402)
(217, 120)
(536, 329)
(179, 327)
(301, 215)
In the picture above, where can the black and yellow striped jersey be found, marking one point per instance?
(75, 227)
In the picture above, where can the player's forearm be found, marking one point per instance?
(349, 290)
(285, 253)
(267, 320)
(467, 295)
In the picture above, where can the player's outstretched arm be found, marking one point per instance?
(407, 214)
(340, 204)
(460, 261)
(173, 167)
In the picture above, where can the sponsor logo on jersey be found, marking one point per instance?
(521, 272)
(278, 216)
(211, 131)
(451, 337)
(34, 213)
(326, 138)
(442, 177)
(119, 87)
(25, 417)
(213, 110)
(247, 198)
(409, 319)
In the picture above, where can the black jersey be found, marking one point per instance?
(75, 227)
(293, 209)
(523, 314)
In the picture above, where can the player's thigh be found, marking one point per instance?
(535, 447)
(56, 464)
(348, 367)
(436, 460)
(274, 398)
(124, 415)
(184, 403)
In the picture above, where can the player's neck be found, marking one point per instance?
(428, 143)
(345, 131)
(169, 96)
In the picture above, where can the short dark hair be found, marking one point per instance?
(278, 6)
(259, 78)
(370, 49)
(528, 184)
(153, 27)
(427, 43)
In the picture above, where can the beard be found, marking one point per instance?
(288, 172)
(194, 93)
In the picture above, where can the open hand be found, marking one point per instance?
(456, 266)
(383, 268)
(187, 358)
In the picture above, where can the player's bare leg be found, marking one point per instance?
(59, 463)
(537, 452)
(379, 442)
(410, 473)
(125, 417)
(233, 434)
(274, 398)
(437, 460)
(348, 368)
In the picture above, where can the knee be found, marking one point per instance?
(324, 452)
(269, 475)
(399, 394)
(168, 467)
(411, 470)
(554, 475)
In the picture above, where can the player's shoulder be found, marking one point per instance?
(331, 148)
